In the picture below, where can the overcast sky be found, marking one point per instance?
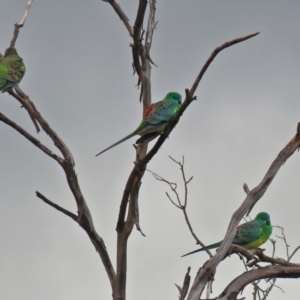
(79, 75)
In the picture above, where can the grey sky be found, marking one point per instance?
(79, 76)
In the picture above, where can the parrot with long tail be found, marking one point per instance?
(249, 235)
(12, 69)
(155, 119)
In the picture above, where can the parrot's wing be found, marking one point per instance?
(16, 70)
(147, 128)
(3, 73)
(247, 233)
(159, 112)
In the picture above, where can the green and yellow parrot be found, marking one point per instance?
(155, 119)
(249, 235)
(12, 69)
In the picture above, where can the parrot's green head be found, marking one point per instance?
(10, 51)
(264, 218)
(174, 97)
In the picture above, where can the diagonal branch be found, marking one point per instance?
(190, 96)
(59, 208)
(294, 252)
(84, 217)
(254, 195)
(25, 101)
(29, 137)
(214, 54)
(121, 14)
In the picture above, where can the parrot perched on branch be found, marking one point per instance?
(12, 69)
(156, 117)
(249, 235)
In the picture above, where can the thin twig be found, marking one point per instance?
(29, 137)
(294, 252)
(214, 54)
(20, 24)
(282, 237)
(173, 187)
(63, 210)
(246, 189)
(185, 287)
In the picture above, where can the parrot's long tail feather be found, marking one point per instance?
(119, 142)
(212, 246)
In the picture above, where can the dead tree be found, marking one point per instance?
(141, 33)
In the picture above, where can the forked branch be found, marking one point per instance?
(181, 204)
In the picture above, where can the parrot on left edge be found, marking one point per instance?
(12, 69)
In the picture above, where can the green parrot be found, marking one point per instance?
(12, 69)
(155, 119)
(249, 235)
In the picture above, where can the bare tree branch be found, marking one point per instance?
(282, 237)
(59, 208)
(25, 101)
(264, 258)
(142, 66)
(266, 272)
(294, 252)
(84, 217)
(254, 195)
(246, 189)
(20, 24)
(189, 98)
(121, 14)
(173, 187)
(214, 54)
(67, 163)
(32, 139)
(185, 287)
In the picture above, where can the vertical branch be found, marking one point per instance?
(137, 47)
(141, 63)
